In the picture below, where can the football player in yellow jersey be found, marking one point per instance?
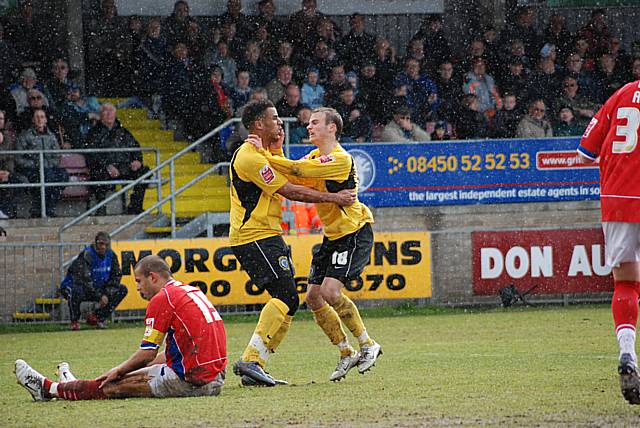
(255, 235)
(346, 247)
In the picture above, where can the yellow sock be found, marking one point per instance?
(350, 316)
(277, 338)
(271, 319)
(328, 320)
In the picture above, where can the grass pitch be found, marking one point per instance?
(525, 367)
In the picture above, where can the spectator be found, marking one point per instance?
(39, 137)
(581, 106)
(36, 100)
(276, 87)
(352, 79)
(34, 36)
(620, 56)
(422, 93)
(385, 60)
(635, 69)
(524, 30)
(109, 134)
(28, 80)
(242, 91)
(434, 41)
(415, 50)
(323, 60)
(312, 91)
(214, 108)
(357, 123)
(58, 86)
(471, 123)
(335, 83)
(581, 47)
(290, 105)
(516, 49)
(375, 93)
(221, 57)
(481, 84)
(109, 51)
(357, 46)
(196, 41)
(595, 33)
(449, 91)
(328, 33)
(179, 88)
(260, 70)
(303, 23)
(298, 132)
(515, 81)
(586, 82)
(534, 124)
(94, 276)
(268, 18)
(401, 129)
(150, 60)
(506, 120)
(566, 125)
(81, 111)
(440, 132)
(7, 171)
(176, 25)
(476, 50)
(557, 34)
(493, 51)
(234, 15)
(545, 82)
(285, 55)
(8, 60)
(608, 80)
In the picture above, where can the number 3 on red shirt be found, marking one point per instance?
(628, 131)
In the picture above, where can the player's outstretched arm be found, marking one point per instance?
(139, 359)
(295, 192)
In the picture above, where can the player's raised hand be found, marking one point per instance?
(346, 197)
(254, 140)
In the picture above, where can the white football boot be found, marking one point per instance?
(31, 380)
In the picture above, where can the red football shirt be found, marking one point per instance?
(196, 343)
(613, 136)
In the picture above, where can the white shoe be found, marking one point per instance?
(31, 380)
(369, 355)
(344, 365)
(64, 373)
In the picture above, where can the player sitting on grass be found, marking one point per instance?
(192, 364)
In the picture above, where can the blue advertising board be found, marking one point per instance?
(470, 172)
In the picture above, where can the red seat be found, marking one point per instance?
(76, 166)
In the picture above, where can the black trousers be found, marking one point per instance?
(80, 293)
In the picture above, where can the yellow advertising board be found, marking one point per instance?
(400, 268)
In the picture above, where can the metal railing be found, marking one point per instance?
(43, 184)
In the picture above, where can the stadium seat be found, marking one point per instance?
(76, 166)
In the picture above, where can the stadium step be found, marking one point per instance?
(48, 301)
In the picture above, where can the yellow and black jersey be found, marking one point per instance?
(328, 173)
(255, 206)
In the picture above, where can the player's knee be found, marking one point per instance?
(331, 294)
(284, 289)
(314, 297)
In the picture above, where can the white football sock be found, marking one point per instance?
(627, 342)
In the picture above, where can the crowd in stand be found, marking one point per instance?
(195, 73)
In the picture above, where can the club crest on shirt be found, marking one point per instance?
(326, 158)
(267, 174)
(283, 261)
(590, 126)
(148, 329)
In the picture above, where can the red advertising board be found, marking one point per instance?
(557, 261)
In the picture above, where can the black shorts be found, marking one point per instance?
(265, 260)
(343, 259)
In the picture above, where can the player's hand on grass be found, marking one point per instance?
(346, 197)
(109, 376)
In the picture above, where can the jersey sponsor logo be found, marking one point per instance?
(326, 158)
(283, 261)
(590, 126)
(148, 329)
(267, 174)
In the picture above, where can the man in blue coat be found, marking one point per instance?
(94, 275)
